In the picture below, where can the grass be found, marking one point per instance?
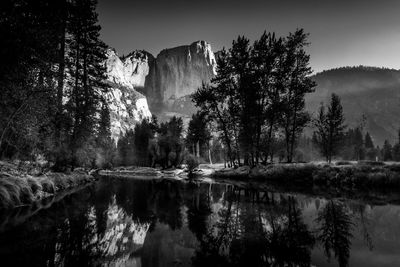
(363, 175)
(18, 188)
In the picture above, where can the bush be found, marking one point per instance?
(370, 163)
(343, 162)
(14, 192)
(192, 163)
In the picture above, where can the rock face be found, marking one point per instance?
(127, 106)
(177, 73)
(130, 70)
(165, 82)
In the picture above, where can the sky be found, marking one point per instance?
(342, 32)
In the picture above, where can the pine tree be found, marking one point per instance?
(87, 71)
(368, 141)
(321, 134)
(387, 151)
(106, 149)
(358, 143)
(329, 135)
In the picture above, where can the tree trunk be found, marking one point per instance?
(60, 83)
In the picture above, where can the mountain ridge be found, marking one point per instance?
(364, 90)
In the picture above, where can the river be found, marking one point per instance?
(131, 222)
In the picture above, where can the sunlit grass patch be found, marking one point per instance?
(18, 188)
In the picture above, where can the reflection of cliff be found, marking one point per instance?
(121, 238)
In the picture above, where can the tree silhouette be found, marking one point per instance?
(330, 128)
(334, 231)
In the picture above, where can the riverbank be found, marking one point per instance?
(204, 170)
(19, 187)
(342, 175)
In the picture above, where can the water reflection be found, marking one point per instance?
(334, 231)
(171, 223)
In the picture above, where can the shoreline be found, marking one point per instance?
(18, 188)
(364, 179)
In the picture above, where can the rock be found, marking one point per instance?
(166, 82)
(178, 72)
(128, 71)
(127, 106)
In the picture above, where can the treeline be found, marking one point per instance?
(52, 82)
(257, 99)
(332, 138)
(166, 144)
(152, 144)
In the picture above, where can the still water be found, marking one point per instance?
(117, 222)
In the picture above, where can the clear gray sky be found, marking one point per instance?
(342, 32)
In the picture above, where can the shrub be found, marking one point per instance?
(343, 162)
(47, 186)
(34, 184)
(192, 163)
(5, 198)
(370, 163)
(14, 192)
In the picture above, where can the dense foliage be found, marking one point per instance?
(51, 79)
(258, 96)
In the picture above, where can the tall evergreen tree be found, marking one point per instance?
(87, 73)
(106, 150)
(368, 141)
(387, 151)
(329, 135)
(358, 143)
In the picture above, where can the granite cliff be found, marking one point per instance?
(176, 73)
(127, 105)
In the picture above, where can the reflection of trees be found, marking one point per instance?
(290, 241)
(334, 232)
(363, 223)
(168, 202)
(197, 200)
(266, 234)
(234, 227)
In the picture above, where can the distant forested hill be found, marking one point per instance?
(370, 91)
